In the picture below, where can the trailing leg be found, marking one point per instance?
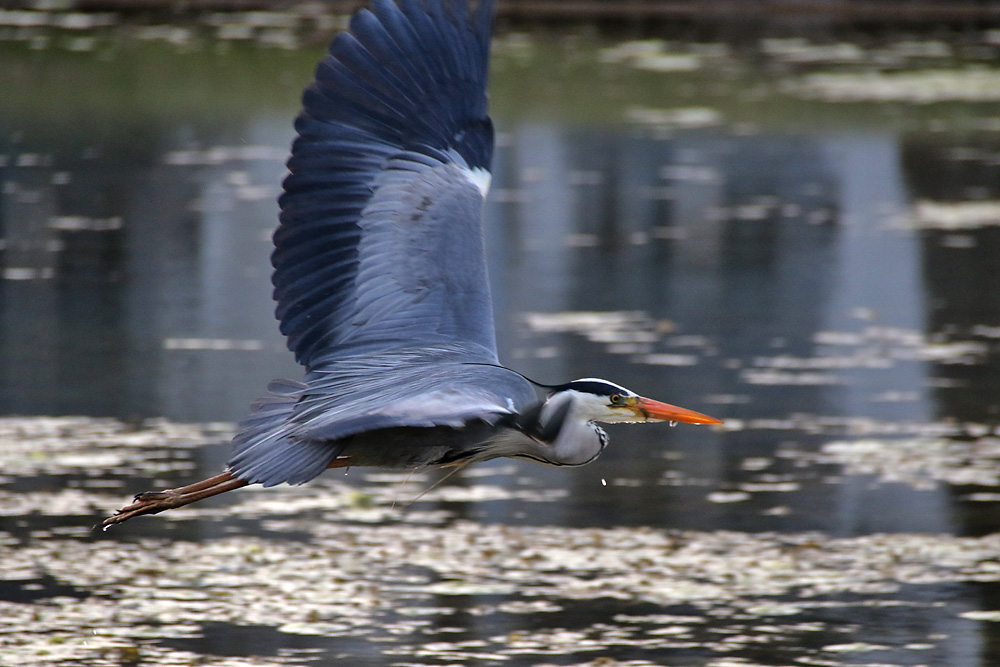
(153, 502)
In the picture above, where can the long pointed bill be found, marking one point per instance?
(654, 410)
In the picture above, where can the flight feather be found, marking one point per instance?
(393, 135)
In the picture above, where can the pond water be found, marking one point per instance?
(800, 238)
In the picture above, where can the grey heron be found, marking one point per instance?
(380, 277)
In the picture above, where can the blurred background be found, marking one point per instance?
(783, 214)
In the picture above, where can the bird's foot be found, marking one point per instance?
(151, 502)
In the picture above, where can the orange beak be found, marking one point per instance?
(650, 410)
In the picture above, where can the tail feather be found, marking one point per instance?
(266, 450)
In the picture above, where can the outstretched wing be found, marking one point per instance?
(380, 273)
(380, 243)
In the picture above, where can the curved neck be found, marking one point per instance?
(562, 436)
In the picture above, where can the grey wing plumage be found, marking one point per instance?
(380, 240)
(293, 435)
(380, 273)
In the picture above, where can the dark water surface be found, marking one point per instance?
(803, 242)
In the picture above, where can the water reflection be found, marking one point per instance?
(775, 278)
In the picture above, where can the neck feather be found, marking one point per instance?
(562, 436)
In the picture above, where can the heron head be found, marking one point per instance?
(602, 401)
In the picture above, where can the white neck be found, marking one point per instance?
(578, 440)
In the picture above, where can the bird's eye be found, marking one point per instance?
(616, 399)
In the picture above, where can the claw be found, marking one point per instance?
(154, 502)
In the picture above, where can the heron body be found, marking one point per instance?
(380, 276)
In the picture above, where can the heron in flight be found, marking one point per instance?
(380, 277)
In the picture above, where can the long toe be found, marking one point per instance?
(150, 502)
(153, 502)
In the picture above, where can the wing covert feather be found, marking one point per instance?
(293, 434)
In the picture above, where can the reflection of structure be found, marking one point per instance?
(961, 276)
(114, 256)
(761, 241)
(715, 234)
(215, 314)
(961, 271)
(60, 314)
(879, 273)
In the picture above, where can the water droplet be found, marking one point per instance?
(673, 424)
(604, 482)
